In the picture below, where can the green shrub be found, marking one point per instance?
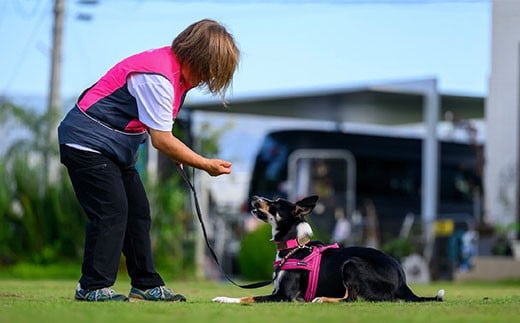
(170, 222)
(398, 248)
(256, 256)
(41, 224)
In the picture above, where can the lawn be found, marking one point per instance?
(52, 301)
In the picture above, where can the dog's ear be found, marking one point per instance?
(306, 205)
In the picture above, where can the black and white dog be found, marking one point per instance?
(309, 271)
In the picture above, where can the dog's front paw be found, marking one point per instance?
(317, 300)
(224, 299)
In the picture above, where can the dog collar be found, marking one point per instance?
(291, 244)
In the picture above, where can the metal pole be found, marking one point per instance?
(430, 152)
(430, 162)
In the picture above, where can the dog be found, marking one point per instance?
(309, 271)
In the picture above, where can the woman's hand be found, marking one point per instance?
(216, 167)
(182, 154)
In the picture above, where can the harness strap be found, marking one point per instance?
(293, 243)
(310, 263)
(289, 244)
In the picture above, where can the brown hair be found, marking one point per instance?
(210, 53)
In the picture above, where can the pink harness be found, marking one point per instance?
(310, 263)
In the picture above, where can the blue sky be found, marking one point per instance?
(287, 46)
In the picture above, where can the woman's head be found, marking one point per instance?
(209, 53)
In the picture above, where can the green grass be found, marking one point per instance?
(52, 301)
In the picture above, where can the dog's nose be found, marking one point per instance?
(256, 201)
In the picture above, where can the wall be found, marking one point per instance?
(502, 115)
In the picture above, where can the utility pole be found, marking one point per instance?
(54, 99)
(54, 103)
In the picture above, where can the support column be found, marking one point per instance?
(501, 173)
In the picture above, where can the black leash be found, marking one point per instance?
(210, 248)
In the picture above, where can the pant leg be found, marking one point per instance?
(100, 190)
(137, 245)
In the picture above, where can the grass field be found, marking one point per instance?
(52, 301)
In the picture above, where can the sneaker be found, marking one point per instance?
(98, 295)
(159, 293)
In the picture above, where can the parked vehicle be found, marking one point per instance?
(368, 179)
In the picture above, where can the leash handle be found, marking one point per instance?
(210, 248)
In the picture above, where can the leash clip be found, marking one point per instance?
(303, 246)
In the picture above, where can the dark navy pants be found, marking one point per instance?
(118, 212)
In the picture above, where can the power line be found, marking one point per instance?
(3, 9)
(298, 2)
(24, 12)
(23, 55)
(354, 2)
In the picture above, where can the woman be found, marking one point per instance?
(99, 138)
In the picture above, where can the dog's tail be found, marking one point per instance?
(409, 296)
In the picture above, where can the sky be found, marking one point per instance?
(286, 46)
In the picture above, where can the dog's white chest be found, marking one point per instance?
(278, 280)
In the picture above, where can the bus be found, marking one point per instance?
(370, 180)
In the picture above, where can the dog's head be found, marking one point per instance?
(287, 219)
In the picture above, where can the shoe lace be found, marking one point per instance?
(104, 292)
(163, 291)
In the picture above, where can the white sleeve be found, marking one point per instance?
(154, 95)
